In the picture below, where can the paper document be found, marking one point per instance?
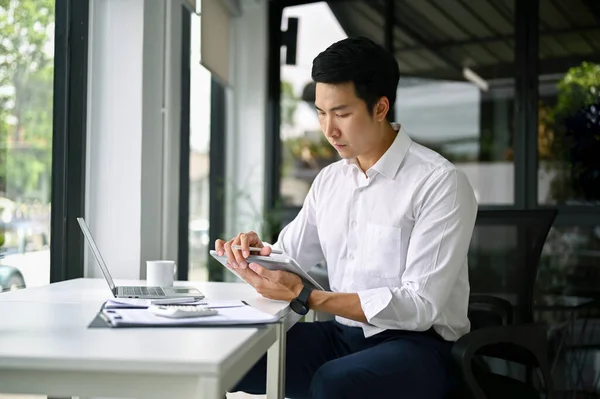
(117, 303)
(237, 315)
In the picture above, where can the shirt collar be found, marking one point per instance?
(389, 163)
(349, 164)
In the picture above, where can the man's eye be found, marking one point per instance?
(342, 115)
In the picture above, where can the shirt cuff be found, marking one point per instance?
(373, 301)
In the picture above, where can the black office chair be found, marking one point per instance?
(503, 262)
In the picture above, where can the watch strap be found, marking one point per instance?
(304, 294)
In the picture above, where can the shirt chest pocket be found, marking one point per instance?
(383, 254)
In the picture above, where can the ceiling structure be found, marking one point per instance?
(439, 38)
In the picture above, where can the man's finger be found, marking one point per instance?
(262, 271)
(240, 261)
(250, 276)
(229, 253)
(219, 247)
(265, 251)
(245, 246)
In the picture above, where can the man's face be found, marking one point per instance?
(345, 120)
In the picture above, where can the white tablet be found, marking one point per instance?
(273, 262)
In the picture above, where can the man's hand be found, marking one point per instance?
(237, 258)
(279, 285)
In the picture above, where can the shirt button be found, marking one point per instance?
(353, 224)
(351, 257)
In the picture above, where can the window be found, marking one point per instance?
(200, 119)
(569, 261)
(569, 106)
(26, 112)
(304, 149)
(470, 127)
(456, 95)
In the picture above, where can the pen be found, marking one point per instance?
(273, 251)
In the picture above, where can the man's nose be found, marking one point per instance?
(330, 128)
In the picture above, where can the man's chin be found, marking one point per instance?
(345, 153)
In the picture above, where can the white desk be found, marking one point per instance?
(46, 347)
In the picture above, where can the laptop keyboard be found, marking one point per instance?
(142, 291)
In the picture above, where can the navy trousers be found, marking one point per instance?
(330, 360)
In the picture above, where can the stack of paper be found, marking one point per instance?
(227, 315)
(137, 303)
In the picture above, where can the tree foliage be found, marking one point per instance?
(26, 87)
(289, 103)
(579, 88)
(575, 125)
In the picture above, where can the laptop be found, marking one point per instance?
(143, 292)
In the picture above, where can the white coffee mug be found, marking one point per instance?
(160, 273)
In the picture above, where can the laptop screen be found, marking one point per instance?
(96, 251)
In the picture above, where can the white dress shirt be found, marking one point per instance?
(398, 237)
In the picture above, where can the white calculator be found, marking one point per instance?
(181, 311)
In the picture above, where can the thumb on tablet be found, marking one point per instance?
(266, 250)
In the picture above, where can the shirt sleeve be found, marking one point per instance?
(445, 214)
(300, 238)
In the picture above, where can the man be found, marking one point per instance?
(393, 220)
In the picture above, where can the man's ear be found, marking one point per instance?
(382, 108)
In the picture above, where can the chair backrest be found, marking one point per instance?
(504, 255)
(489, 311)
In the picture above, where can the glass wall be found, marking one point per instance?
(471, 127)
(26, 93)
(467, 91)
(457, 94)
(304, 149)
(569, 107)
(568, 149)
(569, 140)
(468, 117)
(569, 263)
(200, 93)
(466, 114)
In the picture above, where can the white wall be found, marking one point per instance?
(133, 132)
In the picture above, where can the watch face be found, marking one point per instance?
(298, 307)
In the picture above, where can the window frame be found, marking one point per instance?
(217, 162)
(69, 138)
(183, 246)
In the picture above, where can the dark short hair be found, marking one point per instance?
(372, 69)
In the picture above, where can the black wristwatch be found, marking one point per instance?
(300, 304)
